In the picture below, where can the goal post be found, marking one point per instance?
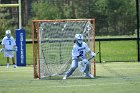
(19, 8)
(52, 42)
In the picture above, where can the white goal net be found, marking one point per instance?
(52, 44)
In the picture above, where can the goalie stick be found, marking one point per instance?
(87, 28)
(93, 56)
(11, 50)
(2, 50)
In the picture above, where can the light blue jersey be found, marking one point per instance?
(8, 43)
(79, 52)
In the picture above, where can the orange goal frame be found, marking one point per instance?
(36, 47)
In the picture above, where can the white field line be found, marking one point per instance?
(84, 85)
(100, 84)
(125, 68)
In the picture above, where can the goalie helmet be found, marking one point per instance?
(8, 33)
(79, 39)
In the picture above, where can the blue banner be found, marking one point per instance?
(21, 47)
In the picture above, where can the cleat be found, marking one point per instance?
(90, 76)
(65, 77)
(15, 66)
(7, 65)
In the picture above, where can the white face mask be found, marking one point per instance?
(80, 41)
(8, 35)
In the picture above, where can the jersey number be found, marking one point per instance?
(81, 53)
(9, 42)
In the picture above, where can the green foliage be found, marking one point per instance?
(6, 22)
(43, 10)
(113, 17)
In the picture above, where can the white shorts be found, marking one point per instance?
(9, 54)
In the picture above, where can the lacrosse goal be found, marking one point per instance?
(53, 42)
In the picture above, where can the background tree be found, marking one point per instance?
(113, 17)
(44, 10)
(6, 22)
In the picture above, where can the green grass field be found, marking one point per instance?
(111, 78)
(122, 77)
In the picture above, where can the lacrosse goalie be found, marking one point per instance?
(79, 50)
(9, 47)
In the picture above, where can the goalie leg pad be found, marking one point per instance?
(74, 65)
(87, 68)
(84, 66)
